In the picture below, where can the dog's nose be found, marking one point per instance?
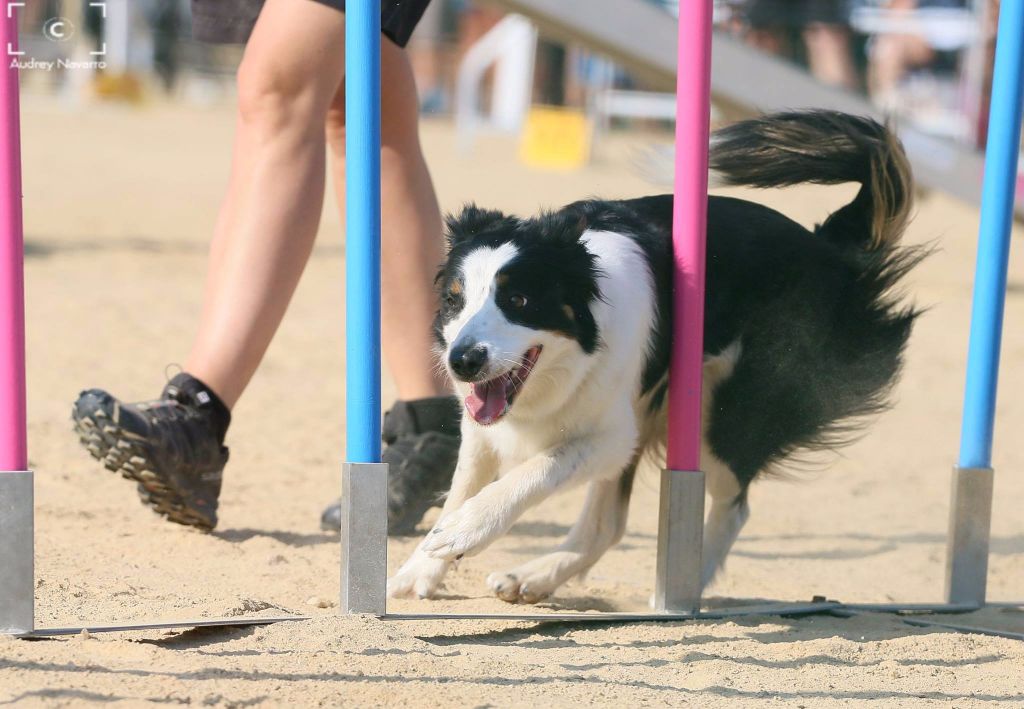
(467, 360)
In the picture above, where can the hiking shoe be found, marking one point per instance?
(422, 447)
(172, 447)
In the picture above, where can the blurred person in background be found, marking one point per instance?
(817, 28)
(893, 55)
(165, 19)
(290, 116)
(989, 49)
(428, 58)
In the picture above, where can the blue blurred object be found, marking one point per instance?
(1001, 155)
(362, 240)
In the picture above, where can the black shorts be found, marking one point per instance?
(231, 21)
(796, 13)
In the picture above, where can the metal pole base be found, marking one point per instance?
(17, 568)
(967, 544)
(680, 538)
(364, 538)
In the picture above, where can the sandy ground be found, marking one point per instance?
(119, 204)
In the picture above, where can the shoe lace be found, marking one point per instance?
(171, 370)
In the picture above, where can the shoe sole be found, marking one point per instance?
(112, 446)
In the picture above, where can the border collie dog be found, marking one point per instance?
(556, 333)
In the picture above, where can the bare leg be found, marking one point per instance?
(767, 40)
(293, 65)
(410, 228)
(892, 56)
(829, 55)
(412, 252)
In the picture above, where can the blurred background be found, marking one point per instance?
(925, 61)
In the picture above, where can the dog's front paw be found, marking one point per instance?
(510, 587)
(464, 532)
(535, 580)
(419, 577)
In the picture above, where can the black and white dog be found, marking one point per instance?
(555, 331)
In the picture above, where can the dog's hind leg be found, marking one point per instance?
(729, 512)
(599, 527)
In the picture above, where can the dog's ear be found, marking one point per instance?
(566, 225)
(473, 220)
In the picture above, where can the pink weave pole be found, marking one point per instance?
(13, 445)
(679, 567)
(689, 228)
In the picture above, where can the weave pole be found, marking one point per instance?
(16, 528)
(364, 477)
(971, 508)
(681, 514)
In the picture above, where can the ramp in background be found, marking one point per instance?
(642, 37)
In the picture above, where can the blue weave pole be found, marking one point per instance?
(994, 238)
(362, 241)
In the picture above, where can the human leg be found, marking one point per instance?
(292, 67)
(173, 447)
(829, 55)
(421, 431)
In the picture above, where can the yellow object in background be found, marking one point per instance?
(119, 87)
(555, 138)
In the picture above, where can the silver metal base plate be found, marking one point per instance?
(17, 563)
(364, 538)
(967, 545)
(677, 585)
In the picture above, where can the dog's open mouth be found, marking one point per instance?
(490, 400)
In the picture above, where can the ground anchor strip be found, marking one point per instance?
(922, 615)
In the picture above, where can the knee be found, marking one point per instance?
(274, 100)
(399, 111)
(399, 135)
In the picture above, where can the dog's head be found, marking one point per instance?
(516, 300)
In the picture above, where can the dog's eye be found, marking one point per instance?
(517, 301)
(450, 300)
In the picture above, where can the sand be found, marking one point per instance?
(119, 204)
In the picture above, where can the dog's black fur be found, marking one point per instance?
(556, 273)
(803, 337)
(822, 334)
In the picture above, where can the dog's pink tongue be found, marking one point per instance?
(487, 401)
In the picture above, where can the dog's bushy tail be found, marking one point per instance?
(824, 147)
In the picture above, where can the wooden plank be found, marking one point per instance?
(641, 37)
